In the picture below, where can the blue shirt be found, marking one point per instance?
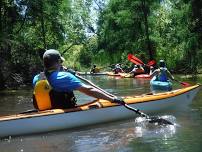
(61, 81)
(163, 75)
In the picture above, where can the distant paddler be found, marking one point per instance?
(94, 69)
(117, 69)
(138, 69)
(161, 78)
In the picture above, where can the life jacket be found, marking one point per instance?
(163, 75)
(45, 98)
(95, 70)
(118, 70)
(139, 71)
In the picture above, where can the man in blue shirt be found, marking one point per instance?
(162, 73)
(63, 83)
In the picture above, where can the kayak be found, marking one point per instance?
(97, 111)
(143, 76)
(159, 85)
(126, 75)
(122, 75)
(131, 75)
(113, 74)
(92, 74)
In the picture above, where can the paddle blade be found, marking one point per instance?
(130, 58)
(151, 63)
(134, 59)
(185, 84)
(159, 120)
(153, 119)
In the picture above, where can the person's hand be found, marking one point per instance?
(119, 101)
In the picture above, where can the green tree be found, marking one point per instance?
(125, 26)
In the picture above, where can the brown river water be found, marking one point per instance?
(119, 136)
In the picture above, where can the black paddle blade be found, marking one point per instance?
(153, 119)
(159, 121)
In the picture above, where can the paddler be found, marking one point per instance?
(138, 69)
(162, 73)
(54, 88)
(118, 69)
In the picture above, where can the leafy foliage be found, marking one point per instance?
(99, 32)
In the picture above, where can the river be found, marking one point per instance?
(120, 136)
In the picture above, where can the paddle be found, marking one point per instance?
(185, 84)
(135, 60)
(153, 119)
(151, 63)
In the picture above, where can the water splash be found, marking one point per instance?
(144, 128)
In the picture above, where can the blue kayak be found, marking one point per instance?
(159, 85)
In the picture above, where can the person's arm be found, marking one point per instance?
(93, 92)
(151, 70)
(156, 72)
(142, 69)
(35, 79)
(170, 75)
(132, 71)
(122, 70)
(96, 93)
(91, 89)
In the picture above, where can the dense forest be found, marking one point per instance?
(98, 32)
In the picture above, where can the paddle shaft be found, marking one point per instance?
(92, 84)
(125, 105)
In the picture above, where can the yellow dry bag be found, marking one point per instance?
(41, 93)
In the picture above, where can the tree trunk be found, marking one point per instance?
(2, 82)
(1, 30)
(43, 26)
(145, 12)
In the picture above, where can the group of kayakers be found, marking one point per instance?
(137, 69)
(53, 88)
(161, 73)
